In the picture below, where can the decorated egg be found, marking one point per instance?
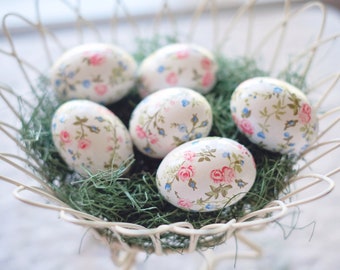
(99, 72)
(274, 114)
(206, 174)
(89, 137)
(179, 64)
(168, 118)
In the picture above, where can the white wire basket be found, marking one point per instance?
(213, 25)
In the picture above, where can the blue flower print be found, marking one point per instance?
(185, 138)
(277, 90)
(240, 183)
(286, 134)
(86, 83)
(147, 149)
(303, 148)
(192, 184)
(160, 69)
(198, 135)
(204, 123)
(226, 154)
(99, 118)
(161, 131)
(194, 119)
(290, 123)
(209, 206)
(185, 102)
(167, 187)
(122, 65)
(182, 128)
(94, 129)
(57, 83)
(70, 151)
(62, 119)
(261, 135)
(245, 110)
(71, 74)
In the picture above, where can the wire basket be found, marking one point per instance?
(220, 25)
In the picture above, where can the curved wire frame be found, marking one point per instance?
(123, 255)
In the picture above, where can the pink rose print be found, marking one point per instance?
(229, 174)
(216, 176)
(182, 54)
(153, 139)
(225, 175)
(120, 139)
(96, 59)
(246, 127)
(243, 149)
(171, 78)
(185, 173)
(206, 63)
(84, 144)
(101, 89)
(305, 113)
(65, 136)
(189, 156)
(184, 203)
(207, 79)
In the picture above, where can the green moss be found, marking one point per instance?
(134, 198)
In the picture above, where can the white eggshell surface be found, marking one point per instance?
(206, 174)
(100, 72)
(179, 64)
(89, 137)
(274, 114)
(168, 118)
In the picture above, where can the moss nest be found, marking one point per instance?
(133, 197)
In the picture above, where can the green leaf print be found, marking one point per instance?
(295, 105)
(206, 154)
(80, 121)
(215, 192)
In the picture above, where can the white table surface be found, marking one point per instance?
(36, 239)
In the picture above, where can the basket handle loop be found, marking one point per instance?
(262, 216)
(318, 179)
(57, 205)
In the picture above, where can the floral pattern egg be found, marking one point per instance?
(274, 114)
(179, 64)
(168, 118)
(206, 174)
(99, 72)
(89, 137)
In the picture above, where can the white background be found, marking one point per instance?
(32, 238)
